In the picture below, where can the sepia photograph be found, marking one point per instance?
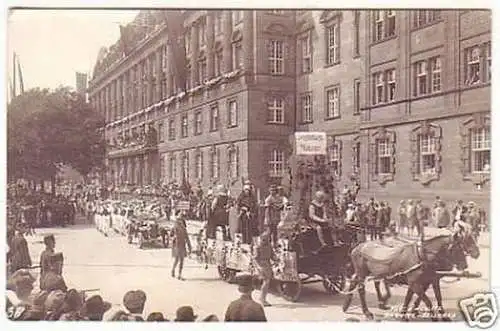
(249, 164)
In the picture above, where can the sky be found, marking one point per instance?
(54, 44)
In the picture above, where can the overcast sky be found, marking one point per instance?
(53, 44)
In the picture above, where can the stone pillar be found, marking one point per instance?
(210, 29)
(194, 55)
(132, 170)
(227, 32)
(141, 88)
(147, 169)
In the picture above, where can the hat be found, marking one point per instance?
(185, 314)
(247, 182)
(210, 192)
(350, 205)
(211, 318)
(74, 300)
(134, 300)
(54, 300)
(273, 187)
(245, 282)
(95, 306)
(156, 317)
(402, 202)
(17, 276)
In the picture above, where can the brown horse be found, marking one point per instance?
(406, 264)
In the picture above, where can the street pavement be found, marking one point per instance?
(112, 266)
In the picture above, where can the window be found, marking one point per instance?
(202, 70)
(333, 103)
(232, 114)
(305, 46)
(379, 25)
(214, 118)
(171, 129)
(378, 81)
(436, 74)
(390, 23)
(214, 164)
(384, 24)
(356, 33)
(421, 71)
(202, 32)
(307, 115)
(391, 84)
(187, 41)
(427, 147)
(233, 165)
(199, 165)
(356, 157)
(384, 156)
(237, 56)
(185, 166)
(488, 62)
(480, 149)
(356, 95)
(237, 16)
(425, 17)
(197, 122)
(218, 62)
(162, 166)
(276, 64)
(276, 111)
(218, 23)
(188, 77)
(160, 132)
(277, 163)
(184, 126)
(332, 47)
(473, 65)
(172, 168)
(335, 159)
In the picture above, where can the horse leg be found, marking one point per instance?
(436, 286)
(382, 300)
(347, 302)
(420, 290)
(406, 303)
(362, 297)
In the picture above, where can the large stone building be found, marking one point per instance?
(404, 97)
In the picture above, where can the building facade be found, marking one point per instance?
(391, 89)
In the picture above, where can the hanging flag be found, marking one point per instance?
(21, 83)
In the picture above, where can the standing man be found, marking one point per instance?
(263, 256)
(179, 244)
(272, 215)
(219, 214)
(246, 205)
(50, 244)
(20, 255)
(372, 218)
(245, 309)
(52, 279)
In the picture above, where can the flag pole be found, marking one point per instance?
(14, 77)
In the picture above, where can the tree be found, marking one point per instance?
(48, 129)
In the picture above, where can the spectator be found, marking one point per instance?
(53, 304)
(94, 308)
(245, 309)
(211, 318)
(156, 317)
(20, 255)
(52, 279)
(71, 307)
(36, 311)
(185, 314)
(131, 309)
(403, 223)
(50, 243)
(18, 294)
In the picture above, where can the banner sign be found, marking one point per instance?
(310, 143)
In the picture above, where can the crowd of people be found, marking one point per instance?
(54, 301)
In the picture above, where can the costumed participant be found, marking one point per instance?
(20, 255)
(50, 244)
(247, 211)
(272, 215)
(219, 215)
(317, 216)
(52, 279)
(181, 245)
(263, 255)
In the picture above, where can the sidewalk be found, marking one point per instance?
(429, 231)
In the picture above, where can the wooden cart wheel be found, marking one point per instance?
(290, 291)
(337, 283)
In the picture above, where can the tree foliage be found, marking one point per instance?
(48, 129)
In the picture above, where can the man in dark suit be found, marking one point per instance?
(245, 309)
